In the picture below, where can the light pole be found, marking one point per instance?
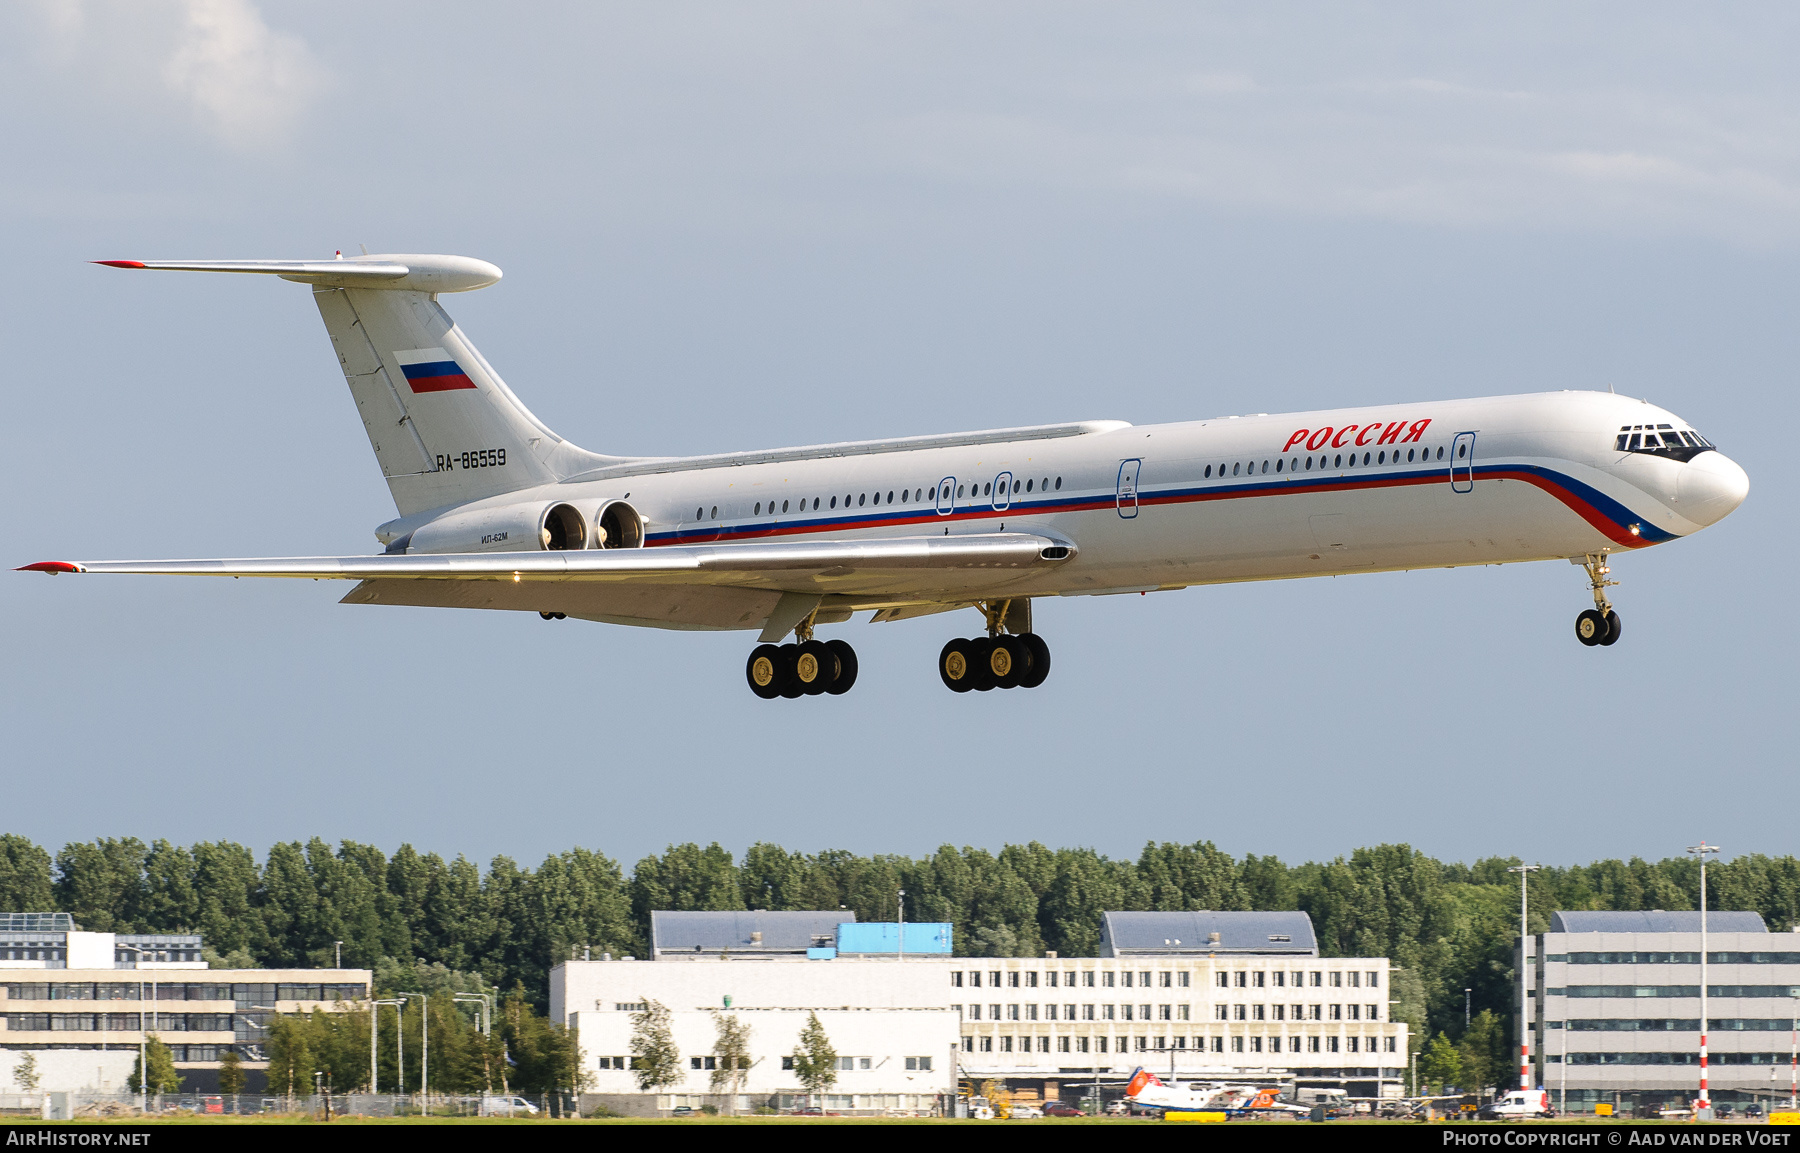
(1524, 872)
(143, 1035)
(485, 1001)
(424, 1045)
(1794, 1061)
(374, 1020)
(1466, 993)
(900, 911)
(1702, 851)
(338, 954)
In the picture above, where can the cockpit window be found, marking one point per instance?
(1662, 440)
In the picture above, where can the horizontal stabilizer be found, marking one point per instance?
(409, 273)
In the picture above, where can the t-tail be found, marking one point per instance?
(444, 426)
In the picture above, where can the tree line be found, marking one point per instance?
(1448, 926)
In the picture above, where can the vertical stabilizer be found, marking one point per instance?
(444, 426)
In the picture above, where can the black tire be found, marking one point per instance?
(770, 672)
(1014, 656)
(790, 684)
(815, 667)
(1591, 628)
(1612, 628)
(956, 666)
(846, 658)
(980, 651)
(1040, 661)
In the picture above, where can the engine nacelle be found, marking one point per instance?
(505, 528)
(618, 525)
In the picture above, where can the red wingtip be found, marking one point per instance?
(49, 566)
(122, 263)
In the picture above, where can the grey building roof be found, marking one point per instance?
(742, 931)
(1654, 921)
(1199, 932)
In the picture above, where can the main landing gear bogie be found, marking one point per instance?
(1600, 624)
(1021, 661)
(807, 669)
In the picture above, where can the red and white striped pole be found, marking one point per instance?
(1524, 872)
(1703, 850)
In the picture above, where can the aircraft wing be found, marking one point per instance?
(680, 586)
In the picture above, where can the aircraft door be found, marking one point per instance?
(1127, 495)
(1462, 463)
(946, 496)
(1003, 491)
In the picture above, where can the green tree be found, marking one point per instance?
(655, 1061)
(25, 1073)
(24, 876)
(1487, 1054)
(815, 1061)
(731, 1050)
(163, 1076)
(231, 1072)
(102, 883)
(1440, 1063)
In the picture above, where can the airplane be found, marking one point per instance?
(1147, 1091)
(496, 511)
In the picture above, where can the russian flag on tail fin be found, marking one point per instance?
(432, 370)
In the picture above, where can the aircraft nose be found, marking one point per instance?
(1711, 486)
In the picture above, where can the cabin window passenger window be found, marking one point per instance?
(1059, 484)
(759, 508)
(1381, 458)
(1015, 487)
(1462, 450)
(959, 490)
(861, 500)
(1278, 465)
(715, 512)
(1440, 452)
(987, 489)
(1340, 463)
(834, 502)
(699, 514)
(1027, 486)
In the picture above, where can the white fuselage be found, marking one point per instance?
(1438, 484)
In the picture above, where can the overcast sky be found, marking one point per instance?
(738, 226)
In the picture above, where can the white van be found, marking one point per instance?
(1519, 1104)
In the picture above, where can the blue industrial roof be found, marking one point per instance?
(1204, 931)
(1654, 921)
(735, 930)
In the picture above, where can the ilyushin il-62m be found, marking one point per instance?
(498, 512)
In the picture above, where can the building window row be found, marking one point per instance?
(1086, 978)
(1198, 1044)
(1141, 1012)
(1677, 1024)
(1675, 958)
(1258, 1012)
(1688, 1058)
(1296, 978)
(1623, 991)
(119, 1022)
(261, 994)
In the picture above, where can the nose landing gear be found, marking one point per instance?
(1600, 624)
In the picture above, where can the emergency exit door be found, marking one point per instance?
(1462, 463)
(1127, 495)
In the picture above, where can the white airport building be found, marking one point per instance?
(1230, 996)
(76, 1000)
(1615, 1008)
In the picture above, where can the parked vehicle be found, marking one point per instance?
(1753, 1110)
(1027, 1112)
(1518, 1105)
(506, 1106)
(1061, 1109)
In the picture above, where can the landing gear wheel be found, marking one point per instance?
(763, 671)
(956, 665)
(1010, 662)
(981, 653)
(1040, 661)
(1591, 628)
(785, 673)
(1612, 628)
(846, 666)
(815, 667)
